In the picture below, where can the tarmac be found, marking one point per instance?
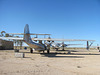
(79, 62)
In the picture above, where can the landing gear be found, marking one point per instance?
(43, 51)
(16, 50)
(48, 51)
(56, 49)
(31, 50)
(69, 52)
(63, 48)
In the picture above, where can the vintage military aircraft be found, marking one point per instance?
(40, 46)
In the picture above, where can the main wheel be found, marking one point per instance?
(31, 51)
(56, 49)
(48, 51)
(16, 50)
(69, 52)
(43, 51)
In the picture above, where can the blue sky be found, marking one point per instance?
(68, 19)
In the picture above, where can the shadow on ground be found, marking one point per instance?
(62, 55)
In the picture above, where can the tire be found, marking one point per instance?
(16, 50)
(48, 51)
(31, 51)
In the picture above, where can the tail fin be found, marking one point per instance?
(26, 29)
(29, 41)
(27, 37)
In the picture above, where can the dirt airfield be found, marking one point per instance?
(81, 62)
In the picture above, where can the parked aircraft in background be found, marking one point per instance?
(57, 45)
(40, 46)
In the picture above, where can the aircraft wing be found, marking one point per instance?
(46, 39)
(30, 34)
(73, 44)
(11, 38)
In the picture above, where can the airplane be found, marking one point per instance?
(40, 46)
(56, 45)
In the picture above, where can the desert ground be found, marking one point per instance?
(79, 62)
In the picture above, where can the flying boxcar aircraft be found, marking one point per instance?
(40, 46)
